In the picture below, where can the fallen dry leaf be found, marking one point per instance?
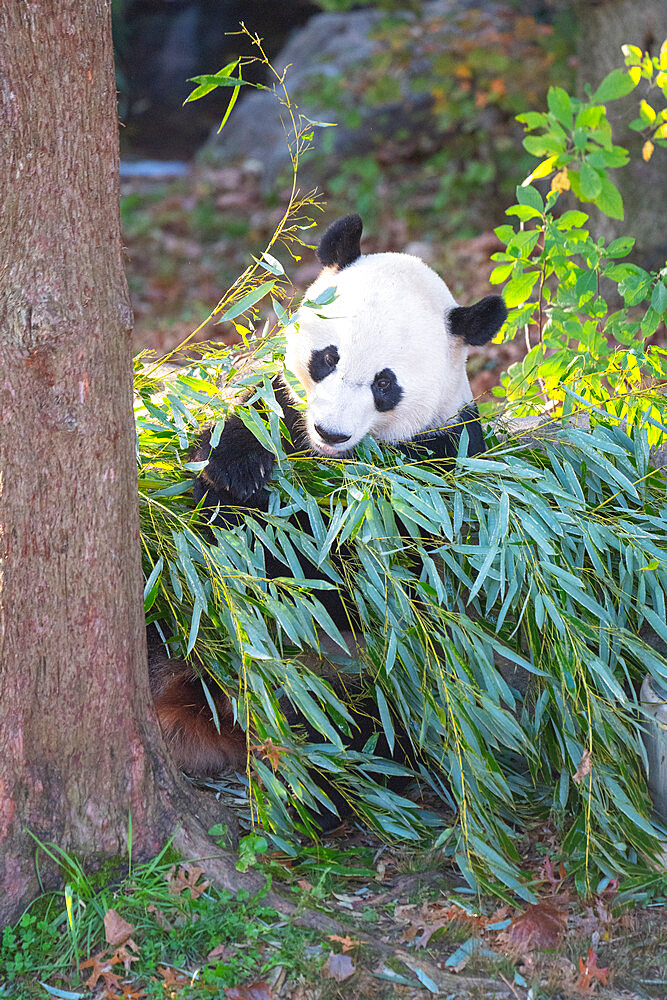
(339, 967)
(610, 890)
(271, 751)
(122, 955)
(547, 872)
(101, 967)
(253, 991)
(131, 992)
(172, 978)
(160, 918)
(220, 951)
(589, 973)
(557, 968)
(421, 934)
(425, 920)
(541, 926)
(346, 942)
(116, 930)
(584, 767)
(186, 877)
(501, 913)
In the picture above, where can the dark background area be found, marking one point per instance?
(161, 43)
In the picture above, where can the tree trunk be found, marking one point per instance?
(604, 26)
(80, 748)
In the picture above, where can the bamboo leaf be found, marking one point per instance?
(248, 300)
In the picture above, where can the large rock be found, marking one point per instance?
(328, 48)
(330, 44)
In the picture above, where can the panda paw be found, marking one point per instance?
(238, 466)
(242, 476)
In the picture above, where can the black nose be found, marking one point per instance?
(330, 438)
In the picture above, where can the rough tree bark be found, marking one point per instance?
(79, 745)
(604, 26)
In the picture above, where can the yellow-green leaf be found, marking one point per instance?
(247, 301)
(543, 169)
(616, 84)
(518, 289)
(609, 200)
(590, 181)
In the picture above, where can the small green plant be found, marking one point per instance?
(581, 351)
(250, 848)
(225, 938)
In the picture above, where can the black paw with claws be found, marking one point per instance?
(238, 467)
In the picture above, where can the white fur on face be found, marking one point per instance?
(389, 312)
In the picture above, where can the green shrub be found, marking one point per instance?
(582, 350)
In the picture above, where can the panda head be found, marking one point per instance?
(384, 351)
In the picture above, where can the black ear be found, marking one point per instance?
(478, 324)
(340, 244)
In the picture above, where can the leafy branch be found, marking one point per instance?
(266, 274)
(553, 267)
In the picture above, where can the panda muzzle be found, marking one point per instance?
(331, 437)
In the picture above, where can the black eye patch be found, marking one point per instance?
(323, 362)
(386, 391)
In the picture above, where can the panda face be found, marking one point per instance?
(379, 358)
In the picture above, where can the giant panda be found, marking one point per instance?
(385, 356)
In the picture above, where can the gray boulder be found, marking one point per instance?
(330, 44)
(328, 48)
